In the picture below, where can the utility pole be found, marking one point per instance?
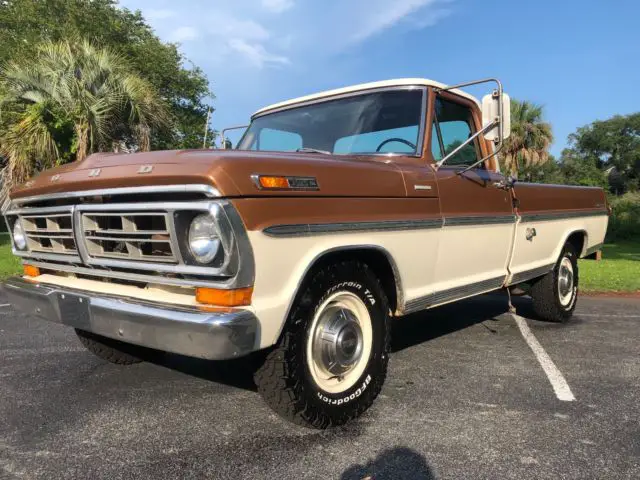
(206, 128)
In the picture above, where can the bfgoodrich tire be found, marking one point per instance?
(331, 360)
(108, 349)
(555, 295)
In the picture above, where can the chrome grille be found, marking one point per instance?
(137, 236)
(130, 234)
(50, 233)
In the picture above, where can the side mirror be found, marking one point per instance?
(497, 107)
(225, 143)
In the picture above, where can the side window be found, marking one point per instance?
(453, 124)
(436, 151)
(279, 140)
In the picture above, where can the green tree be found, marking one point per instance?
(72, 97)
(531, 136)
(611, 143)
(466, 156)
(24, 24)
(580, 170)
(548, 172)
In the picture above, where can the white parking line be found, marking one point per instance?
(5, 305)
(559, 384)
(610, 315)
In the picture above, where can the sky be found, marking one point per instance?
(579, 59)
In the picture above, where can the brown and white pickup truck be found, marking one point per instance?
(335, 214)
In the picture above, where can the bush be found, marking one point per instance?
(625, 218)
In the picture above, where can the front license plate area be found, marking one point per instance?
(74, 310)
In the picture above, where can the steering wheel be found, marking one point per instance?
(401, 140)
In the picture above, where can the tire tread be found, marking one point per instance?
(279, 377)
(546, 304)
(108, 349)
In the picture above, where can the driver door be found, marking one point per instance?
(479, 222)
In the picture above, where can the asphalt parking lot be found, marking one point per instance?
(466, 397)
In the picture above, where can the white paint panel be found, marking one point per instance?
(154, 293)
(470, 254)
(367, 86)
(281, 263)
(544, 249)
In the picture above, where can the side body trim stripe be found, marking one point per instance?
(529, 274)
(308, 229)
(537, 217)
(484, 220)
(452, 294)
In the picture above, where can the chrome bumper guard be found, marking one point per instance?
(172, 328)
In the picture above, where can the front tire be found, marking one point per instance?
(108, 349)
(331, 360)
(555, 295)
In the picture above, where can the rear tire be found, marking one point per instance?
(555, 294)
(109, 349)
(331, 360)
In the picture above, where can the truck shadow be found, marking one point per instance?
(406, 332)
(397, 463)
(427, 325)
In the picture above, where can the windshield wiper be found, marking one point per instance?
(312, 150)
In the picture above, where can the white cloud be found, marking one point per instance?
(256, 54)
(387, 17)
(183, 34)
(254, 32)
(277, 6)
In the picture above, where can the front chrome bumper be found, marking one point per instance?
(172, 328)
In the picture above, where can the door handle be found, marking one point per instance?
(506, 184)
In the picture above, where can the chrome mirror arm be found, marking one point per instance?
(224, 132)
(496, 93)
(482, 131)
(481, 160)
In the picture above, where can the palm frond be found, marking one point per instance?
(91, 88)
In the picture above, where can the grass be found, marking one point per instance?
(618, 271)
(9, 263)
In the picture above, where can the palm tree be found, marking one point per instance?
(69, 101)
(530, 137)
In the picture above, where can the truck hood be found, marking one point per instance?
(229, 171)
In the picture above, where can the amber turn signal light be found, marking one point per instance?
(224, 298)
(274, 182)
(31, 271)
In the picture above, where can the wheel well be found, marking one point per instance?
(577, 240)
(378, 260)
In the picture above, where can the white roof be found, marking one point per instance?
(399, 82)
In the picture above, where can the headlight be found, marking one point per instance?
(19, 238)
(204, 240)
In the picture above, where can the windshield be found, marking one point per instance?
(379, 122)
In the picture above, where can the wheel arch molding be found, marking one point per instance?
(378, 258)
(579, 238)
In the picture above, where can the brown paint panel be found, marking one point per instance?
(420, 181)
(538, 198)
(260, 213)
(227, 170)
(472, 193)
(113, 177)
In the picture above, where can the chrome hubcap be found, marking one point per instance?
(565, 281)
(339, 342)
